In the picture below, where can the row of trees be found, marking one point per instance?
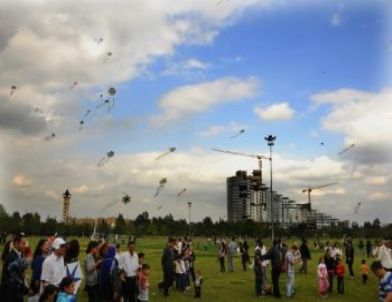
(32, 224)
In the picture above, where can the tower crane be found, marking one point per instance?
(310, 189)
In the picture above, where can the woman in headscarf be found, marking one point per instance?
(107, 272)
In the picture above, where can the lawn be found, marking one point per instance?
(239, 286)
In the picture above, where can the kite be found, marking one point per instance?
(13, 89)
(108, 56)
(88, 111)
(182, 192)
(322, 144)
(170, 150)
(346, 149)
(357, 207)
(159, 207)
(50, 136)
(242, 131)
(105, 159)
(109, 102)
(100, 40)
(74, 84)
(126, 199)
(162, 183)
(81, 125)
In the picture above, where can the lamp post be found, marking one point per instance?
(270, 139)
(189, 209)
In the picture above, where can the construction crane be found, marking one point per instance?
(310, 189)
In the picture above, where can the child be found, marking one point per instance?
(144, 284)
(49, 294)
(198, 284)
(385, 283)
(364, 271)
(66, 290)
(118, 284)
(141, 257)
(340, 271)
(322, 274)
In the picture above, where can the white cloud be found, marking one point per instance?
(336, 20)
(276, 112)
(21, 181)
(197, 98)
(81, 189)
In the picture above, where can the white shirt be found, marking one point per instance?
(129, 263)
(53, 270)
(384, 255)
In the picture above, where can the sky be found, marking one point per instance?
(191, 75)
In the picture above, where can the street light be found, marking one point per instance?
(270, 139)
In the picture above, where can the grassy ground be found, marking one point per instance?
(239, 286)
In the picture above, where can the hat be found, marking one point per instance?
(58, 242)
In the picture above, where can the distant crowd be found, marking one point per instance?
(111, 275)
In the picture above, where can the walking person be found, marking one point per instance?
(167, 262)
(40, 253)
(340, 272)
(53, 268)
(292, 258)
(129, 262)
(230, 255)
(91, 266)
(305, 256)
(244, 255)
(350, 258)
(274, 254)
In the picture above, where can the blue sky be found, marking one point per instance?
(192, 75)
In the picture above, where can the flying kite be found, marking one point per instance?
(105, 159)
(159, 207)
(100, 40)
(162, 183)
(126, 199)
(170, 150)
(107, 57)
(182, 192)
(50, 136)
(322, 144)
(13, 89)
(346, 149)
(109, 102)
(88, 111)
(357, 207)
(74, 84)
(81, 125)
(242, 131)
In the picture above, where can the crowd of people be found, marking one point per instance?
(109, 275)
(281, 258)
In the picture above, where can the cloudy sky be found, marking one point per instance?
(191, 74)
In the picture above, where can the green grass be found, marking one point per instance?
(239, 286)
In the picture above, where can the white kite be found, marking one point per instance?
(105, 159)
(170, 150)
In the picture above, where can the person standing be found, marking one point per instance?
(305, 256)
(167, 262)
(129, 262)
(15, 287)
(108, 270)
(72, 264)
(384, 255)
(322, 275)
(198, 284)
(368, 248)
(258, 270)
(364, 271)
(385, 283)
(292, 259)
(91, 271)
(340, 272)
(330, 263)
(244, 256)
(230, 255)
(361, 247)
(222, 255)
(53, 268)
(350, 258)
(274, 254)
(144, 284)
(40, 253)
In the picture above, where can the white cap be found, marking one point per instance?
(58, 242)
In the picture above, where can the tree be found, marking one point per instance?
(121, 225)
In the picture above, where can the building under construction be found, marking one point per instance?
(249, 198)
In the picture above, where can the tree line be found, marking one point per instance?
(143, 225)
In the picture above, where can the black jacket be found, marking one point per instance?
(11, 257)
(305, 252)
(275, 255)
(168, 260)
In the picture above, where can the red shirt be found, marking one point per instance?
(340, 270)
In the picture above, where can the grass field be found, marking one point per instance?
(239, 286)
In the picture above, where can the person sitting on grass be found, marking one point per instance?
(385, 283)
(364, 271)
(66, 290)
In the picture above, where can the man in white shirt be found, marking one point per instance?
(129, 262)
(384, 255)
(53, 268)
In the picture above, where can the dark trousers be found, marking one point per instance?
(364, 278)
(222, 264)
(92, 293)
(182, 281)
(340, 284)
(167, 281)
(350, 268)
(258, 281)
(197, 292)
(331, 277)
(275, 274)
(130, 289)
